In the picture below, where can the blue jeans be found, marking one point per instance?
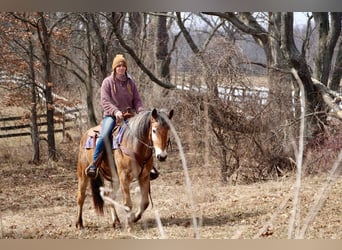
(108, 125)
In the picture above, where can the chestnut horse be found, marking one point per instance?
(140, 136)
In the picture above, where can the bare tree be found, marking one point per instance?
(44, 27)
(116, 20)
(34, 115)
(18, 51)
(84, 28)
(329, 30)
(163, 58)
(217, 66)
(44, 36)
(102, 34)
(136, 26)
(282, 54)
(336, 76)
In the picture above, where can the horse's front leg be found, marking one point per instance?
(115, 217)
(127, 201)
(144, 183)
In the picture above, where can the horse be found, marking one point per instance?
(139, 137)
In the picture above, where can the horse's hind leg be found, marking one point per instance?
(81, 194)
(144, 184)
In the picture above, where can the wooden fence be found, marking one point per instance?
(234, 93)
(17, 126)
(65, 117)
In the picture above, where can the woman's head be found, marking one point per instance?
(119, 65)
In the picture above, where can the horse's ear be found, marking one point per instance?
(154, 114)
(170, 114)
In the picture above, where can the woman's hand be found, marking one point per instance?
(118, 115)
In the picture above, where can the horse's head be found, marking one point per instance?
(159, 131)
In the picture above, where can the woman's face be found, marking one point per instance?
(120, 69)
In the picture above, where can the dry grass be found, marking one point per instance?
(40, 202)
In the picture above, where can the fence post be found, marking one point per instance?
(225, 98)
(63, 123)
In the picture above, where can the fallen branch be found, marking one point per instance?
(326, 95)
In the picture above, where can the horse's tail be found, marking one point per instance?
(95, 184)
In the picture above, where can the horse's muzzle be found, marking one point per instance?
(161, 158)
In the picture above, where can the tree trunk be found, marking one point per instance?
(336, 76)
(280, 82)
(34, 128)
(328, 33)
(89, 81)
(135, 23)
(314, 102)
(101, 46)
(45, 42)
(163, 59)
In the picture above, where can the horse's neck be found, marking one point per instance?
(139, 145)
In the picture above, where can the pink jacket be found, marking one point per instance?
(119, 95)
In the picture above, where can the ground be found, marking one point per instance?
(39, 202)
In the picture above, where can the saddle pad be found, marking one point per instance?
(115, 142)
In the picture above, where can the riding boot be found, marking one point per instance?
(154, 174)
(91, 170)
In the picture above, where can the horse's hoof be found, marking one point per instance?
(130, 219)
(117, 224)
(79, 225)
(137, 218)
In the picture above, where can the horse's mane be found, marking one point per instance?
(140, 123)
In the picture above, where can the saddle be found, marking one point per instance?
(94, 132)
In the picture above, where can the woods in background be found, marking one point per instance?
(71, 53)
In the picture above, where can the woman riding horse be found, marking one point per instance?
(140, 137)
(118, 93)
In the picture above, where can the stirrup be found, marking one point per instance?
(91, 174)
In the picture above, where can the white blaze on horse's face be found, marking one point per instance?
(160, 135)
(159, 139)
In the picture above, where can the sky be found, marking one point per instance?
(300, 18)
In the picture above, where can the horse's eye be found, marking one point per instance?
(154, 130)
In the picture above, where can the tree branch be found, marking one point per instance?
(186, 34)
(115, 23)
(308, 34)
(246, 23)
(325, 92)
(212, 33)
